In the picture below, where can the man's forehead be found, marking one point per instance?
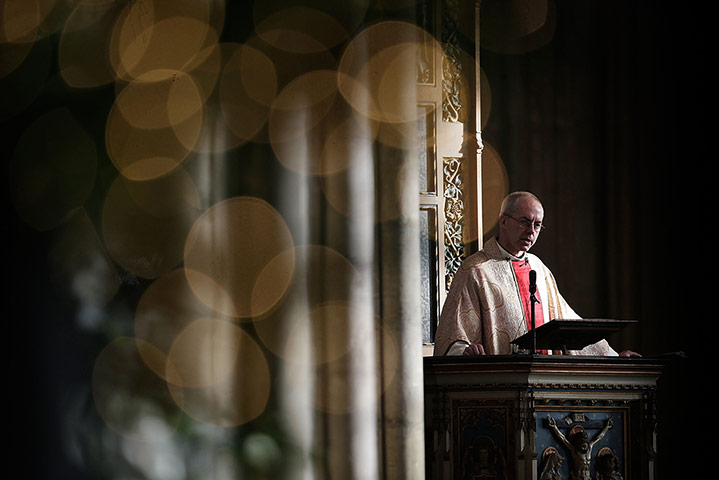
(529, 208)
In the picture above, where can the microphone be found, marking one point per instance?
(532, 281)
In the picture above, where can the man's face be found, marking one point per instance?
(517, 232)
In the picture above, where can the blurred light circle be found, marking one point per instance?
(149, 105)
(227, 250)
(301, 29)
(145, 154)
(166, 307)
(376, 67)
(313, 25)
(127, 394)
(321, 275)
(313, 131)
(302, 104)
(145, 224)
(204, 353)
(240, 387)
(159, 46)
(330, 332)
(83, 47)
(495, 186)
(248, 86)
(21, 20)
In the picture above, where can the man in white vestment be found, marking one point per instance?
(488, 304)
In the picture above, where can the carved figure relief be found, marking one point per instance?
(580, 447)
(483, 460)
(607, 465)
(482, 443)
(552, 462)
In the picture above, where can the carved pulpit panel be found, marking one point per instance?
(582, 439)
(483, 435)
(534, 417)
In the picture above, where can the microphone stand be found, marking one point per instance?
(533, 301)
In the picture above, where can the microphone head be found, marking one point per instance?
(532, 281)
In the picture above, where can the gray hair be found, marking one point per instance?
(510, 201)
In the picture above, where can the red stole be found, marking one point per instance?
(521, 273)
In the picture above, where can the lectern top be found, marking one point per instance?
(571, 334)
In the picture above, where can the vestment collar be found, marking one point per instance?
(508, 256)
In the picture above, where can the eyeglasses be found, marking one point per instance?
(525, 223)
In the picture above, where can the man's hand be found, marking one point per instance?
(628, 353)
(474, 349)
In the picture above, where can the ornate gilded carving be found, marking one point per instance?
(425, 54)
(453, 216)
(452, 105)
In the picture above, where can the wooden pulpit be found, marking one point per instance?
(547, 417)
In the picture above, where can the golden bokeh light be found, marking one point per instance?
(84, 42)
(312, 26)
(163, 48)
(151, 37)
(22, 20)
(253, 73)
(486, 98)
(313, 131)
(128, 396)
(145, 224)
(495, 186)
(376, 67)
(151, 105)
(248, 86)
(335, 393)
(302, 104)
(330, 332)
(52, 169)
(301, 30)
(237, 83)
(227, 250)
(241, 378)
(164, 310)
(344, 195)
(349, 139)
(204, 353)
(142, 154)
(321, 276)
(206, 68)
(291, 65)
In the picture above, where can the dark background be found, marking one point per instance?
(609, 124)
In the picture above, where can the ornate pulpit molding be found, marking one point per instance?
(511, 402)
